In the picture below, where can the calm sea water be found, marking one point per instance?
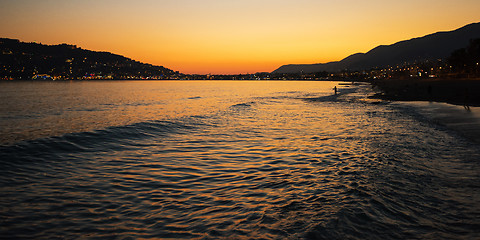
(228, 160)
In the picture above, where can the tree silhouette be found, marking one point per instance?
(466, 60)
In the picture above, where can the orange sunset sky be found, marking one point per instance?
(230, 36)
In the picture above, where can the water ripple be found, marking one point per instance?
(287, 169)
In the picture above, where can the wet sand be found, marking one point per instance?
(464, 120)
(454, 103)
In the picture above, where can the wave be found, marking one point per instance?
(329, 98)
(373, 172)
(344, 94)
(242, 105)
(194, 98)
(115, 138)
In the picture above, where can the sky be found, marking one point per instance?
(230, 36)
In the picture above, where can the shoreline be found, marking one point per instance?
(464, 121)
(453, 103)
(464, 92)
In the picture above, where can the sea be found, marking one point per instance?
(230, 160)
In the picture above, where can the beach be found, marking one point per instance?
(465, 92)
(452, 103)
(464, 121)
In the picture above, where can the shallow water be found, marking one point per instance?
(234, 160)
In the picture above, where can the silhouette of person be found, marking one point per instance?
(335, 89)
(466, 100)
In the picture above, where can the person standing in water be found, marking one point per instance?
(335, 89)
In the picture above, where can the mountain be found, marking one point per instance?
(20, 60)
(431, 47)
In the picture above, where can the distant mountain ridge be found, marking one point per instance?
(20, 60)
(430, 47)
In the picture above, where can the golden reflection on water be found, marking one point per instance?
(42, 109)
(228, 159)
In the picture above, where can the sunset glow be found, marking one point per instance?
(230, 36)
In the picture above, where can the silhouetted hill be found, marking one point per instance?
(431, 47)
(19, 60)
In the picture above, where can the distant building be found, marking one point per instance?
(42, 77)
